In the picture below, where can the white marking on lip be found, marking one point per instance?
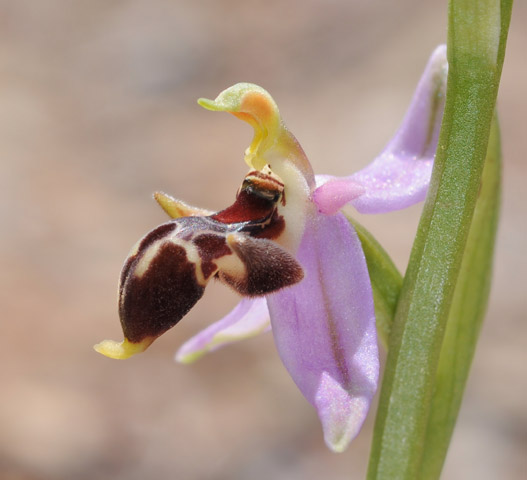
(146, 259)
(193, 256)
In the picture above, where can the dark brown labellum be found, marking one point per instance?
(157, 299)
(166, 274)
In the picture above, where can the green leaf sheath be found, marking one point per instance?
(466, 314)
(386, 281)
(476, 46)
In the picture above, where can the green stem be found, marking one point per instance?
(466, 314)
(476, 47)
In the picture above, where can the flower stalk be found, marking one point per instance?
(476, 47)
(466, 314)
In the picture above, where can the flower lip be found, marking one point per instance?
(167, 271)
(122, 350)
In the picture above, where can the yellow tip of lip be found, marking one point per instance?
(122, 350)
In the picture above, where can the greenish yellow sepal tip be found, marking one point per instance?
(210, 105)
(122, 350)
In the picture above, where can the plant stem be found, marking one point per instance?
(475, 48)
(466, 314)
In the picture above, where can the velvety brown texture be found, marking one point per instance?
(144, 243)
(268, 267)
(211, 247)
(161, 296)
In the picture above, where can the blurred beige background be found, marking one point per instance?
(98, 110)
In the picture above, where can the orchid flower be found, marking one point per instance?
(288, 250)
